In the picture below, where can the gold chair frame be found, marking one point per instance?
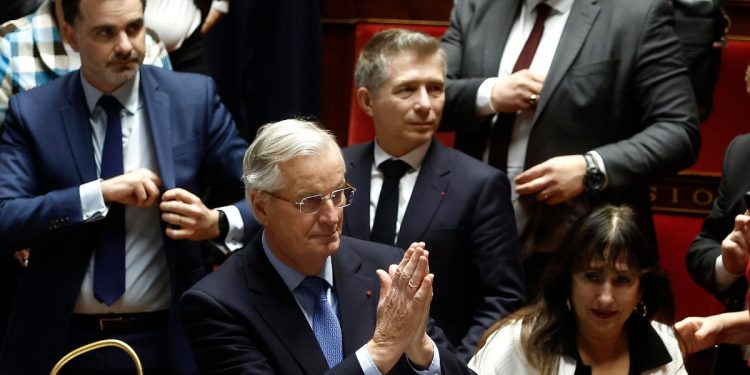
(96, 345)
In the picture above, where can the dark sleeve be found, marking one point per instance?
(460, 90)
(702, 254)
(496, 257)
(29, 215)
(221, 344)
(670, 139)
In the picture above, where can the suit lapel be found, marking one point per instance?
(429, 191)
(75, 118)
(581, 19)
(157, 106)
(358, 173)
(277, 306)
(496, 33)
(357, 307)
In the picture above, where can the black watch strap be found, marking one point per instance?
(223, 226)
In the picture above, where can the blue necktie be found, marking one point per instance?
(325, 323)
(109, 258)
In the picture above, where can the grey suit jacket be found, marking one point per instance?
(617, 85)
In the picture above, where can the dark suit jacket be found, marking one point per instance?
(46, 153)
(460, 208)
(243, 319)
(617, 85)
(701, 257)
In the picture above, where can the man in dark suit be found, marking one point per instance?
(459, 206)
(259, 312)
(718, 257)
(581, 102)
(100, 173)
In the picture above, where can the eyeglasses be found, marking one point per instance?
(312, 204)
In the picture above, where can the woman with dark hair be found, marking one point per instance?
(605, 307)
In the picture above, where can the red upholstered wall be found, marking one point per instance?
(730, 116)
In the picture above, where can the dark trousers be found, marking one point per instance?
(191, 56)
(149, 344)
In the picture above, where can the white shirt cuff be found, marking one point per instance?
(221, 6)
(484, 97)
(369, 368)
(434, 365)
(235, 238)
(724, 279)
(365, 362)
(92, 201)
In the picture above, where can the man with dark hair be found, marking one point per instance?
(459, 206)
(100, 173)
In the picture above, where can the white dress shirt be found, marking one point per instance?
(405, 186)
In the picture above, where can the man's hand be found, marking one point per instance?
(698, 333)
(191, 219)
(139, 188)
(213, 17)
(554, 181)
(513, 93)
(735, 248)
(405, 295)
(22, 256)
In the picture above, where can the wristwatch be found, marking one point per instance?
(594, 178)
(223, 226)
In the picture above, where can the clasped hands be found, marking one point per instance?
(189, 217)
(403, 311)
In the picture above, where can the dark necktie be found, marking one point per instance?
(384, 226)
(109, 258)
(501, 132)
(324, 321)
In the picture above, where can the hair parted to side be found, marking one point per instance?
(278, 142)
(371, 69)
(71, 9)
(609, 234)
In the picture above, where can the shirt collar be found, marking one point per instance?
(647, 350)
(414, 157)
(127, 94)
(560, 6)
(292, 278)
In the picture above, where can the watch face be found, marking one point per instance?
(594, 179)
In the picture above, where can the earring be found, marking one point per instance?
(567, 303)
(641, 309)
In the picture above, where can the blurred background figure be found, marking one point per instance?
(12, 9)
(265, 57)
(181, 25)
(605, 306)
(718, 257)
